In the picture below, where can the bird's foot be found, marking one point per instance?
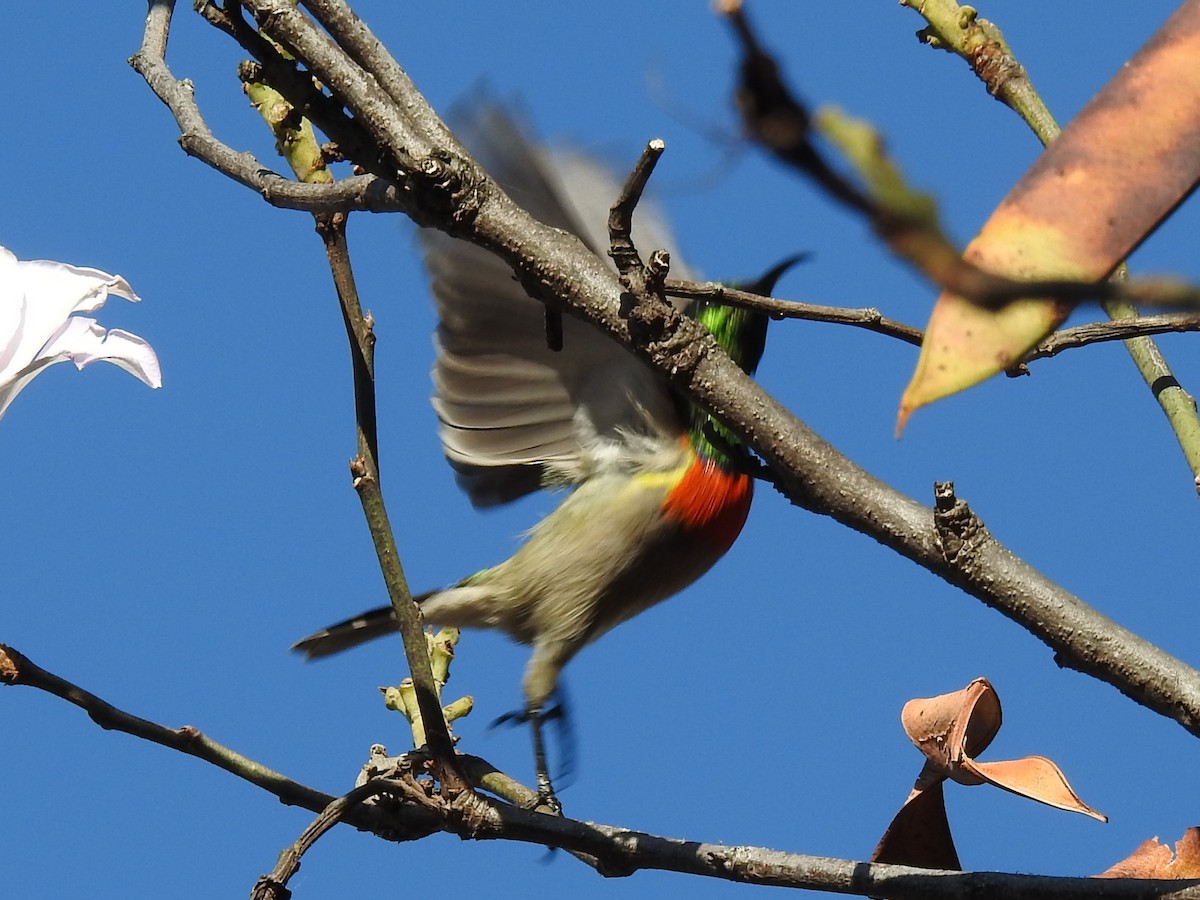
(527, 716)
(546, 801)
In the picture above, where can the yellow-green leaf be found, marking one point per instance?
(1116, 171)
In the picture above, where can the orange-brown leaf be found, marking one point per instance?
(1154, 860)
(950, 730)
(919, 835)
(951, 727)
(1034, 777)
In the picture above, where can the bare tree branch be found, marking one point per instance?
(365, 472)
(17, 670)
(451, 192)
(617, 851)
(1116, 330)
(274, 885)
(872, 319)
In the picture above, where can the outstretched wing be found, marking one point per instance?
(511, 408)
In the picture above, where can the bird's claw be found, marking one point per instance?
(525, 716)
(546, 800)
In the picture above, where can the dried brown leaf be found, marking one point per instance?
(952, 729)
(920, 834)
(1034, 777)
(1154, 860)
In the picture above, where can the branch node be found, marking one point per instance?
(620, 217)
(958, 528)
(657, 269)
(452, 189)
(470, 815)
(10, 668)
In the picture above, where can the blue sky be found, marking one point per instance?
(163, 549)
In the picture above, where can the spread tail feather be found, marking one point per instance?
(364, 627)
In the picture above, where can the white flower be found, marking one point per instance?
(37, 328)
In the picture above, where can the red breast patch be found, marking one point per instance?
(711, 501)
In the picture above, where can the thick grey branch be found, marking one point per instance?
(623, 852)
(353, 36)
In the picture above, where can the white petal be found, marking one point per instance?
(53, 291)
(12, 311)
(86, 288)
(37, 328)
(83, 342)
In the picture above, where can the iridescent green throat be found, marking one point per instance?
(742, 333)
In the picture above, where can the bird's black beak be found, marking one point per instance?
(766, 282)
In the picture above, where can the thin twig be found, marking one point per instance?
(870, 318)
(18, 670)
(1119, 329)
(365, 470)
(274, 885)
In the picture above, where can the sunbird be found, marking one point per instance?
(660, 487)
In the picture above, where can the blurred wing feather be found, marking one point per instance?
(510, 408)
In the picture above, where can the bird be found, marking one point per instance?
(659, 489)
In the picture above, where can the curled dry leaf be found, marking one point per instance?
(1154, 860)
(954, 728)
(919, 835)
(951, 730)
